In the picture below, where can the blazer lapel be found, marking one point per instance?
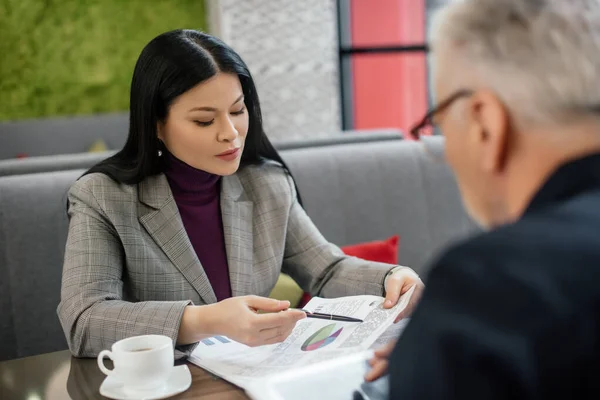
(163, 223)
(237, 211)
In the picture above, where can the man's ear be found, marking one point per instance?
(491, 121)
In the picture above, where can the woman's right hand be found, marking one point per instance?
(252, 320)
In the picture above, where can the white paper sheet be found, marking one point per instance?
(337, 379)
(312, 341)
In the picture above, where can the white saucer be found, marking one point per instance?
(179, 381)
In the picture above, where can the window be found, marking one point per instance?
(383, 63)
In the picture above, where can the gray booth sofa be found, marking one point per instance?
(353, 192)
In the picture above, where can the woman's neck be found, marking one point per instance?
(188, 183)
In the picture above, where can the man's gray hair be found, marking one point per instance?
(541, 57)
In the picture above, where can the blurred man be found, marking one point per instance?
(515, 312)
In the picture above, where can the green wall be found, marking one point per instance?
(68, 57)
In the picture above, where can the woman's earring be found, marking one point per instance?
(160, 146)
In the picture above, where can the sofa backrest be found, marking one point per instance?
(358, 193)
(353, 193)
(61, 162)
(33, 232)
(62, 135)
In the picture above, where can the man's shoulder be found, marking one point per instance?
(555, 253)
(552, 230)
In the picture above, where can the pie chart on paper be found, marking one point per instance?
(321, 338)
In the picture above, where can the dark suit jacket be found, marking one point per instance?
(514, 313)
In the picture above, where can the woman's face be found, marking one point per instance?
(206, 126)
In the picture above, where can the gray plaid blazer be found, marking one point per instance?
(130, 268)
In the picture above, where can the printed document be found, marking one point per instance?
(312, 341)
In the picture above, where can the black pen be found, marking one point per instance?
(331, 317)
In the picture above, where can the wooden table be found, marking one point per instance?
(60, 376)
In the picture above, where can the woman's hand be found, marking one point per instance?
(256, 321)
(379, 362)
(399, 283)
(251, 320)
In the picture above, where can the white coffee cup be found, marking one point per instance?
(140, 362)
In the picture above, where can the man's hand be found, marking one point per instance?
(379, 362)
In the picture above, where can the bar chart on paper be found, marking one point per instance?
(321, 338)
(215, 340)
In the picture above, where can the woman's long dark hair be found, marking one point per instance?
(171, 64)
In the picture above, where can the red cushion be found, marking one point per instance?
(384, 251)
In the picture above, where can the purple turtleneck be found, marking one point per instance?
(197, 194)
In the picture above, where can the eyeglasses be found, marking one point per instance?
(427, 123)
